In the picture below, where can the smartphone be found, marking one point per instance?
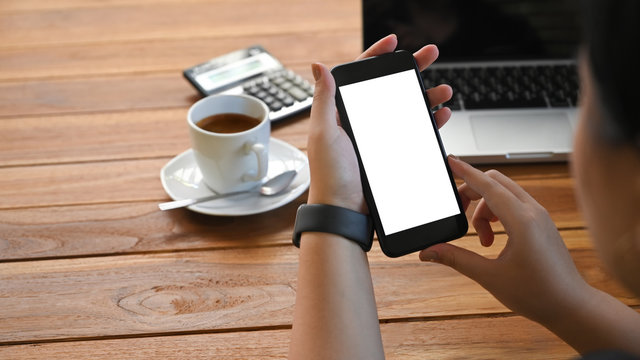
(407, 183)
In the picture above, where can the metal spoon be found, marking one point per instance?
(271, 187)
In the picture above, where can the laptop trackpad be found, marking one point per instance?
(521, 132)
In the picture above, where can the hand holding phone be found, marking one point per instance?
(407, 184)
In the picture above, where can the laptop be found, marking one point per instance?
(511, 64)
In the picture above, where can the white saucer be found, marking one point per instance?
(182, 179)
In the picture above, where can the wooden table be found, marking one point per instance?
(93, 104)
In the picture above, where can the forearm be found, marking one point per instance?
(599, 322)
(335, 314)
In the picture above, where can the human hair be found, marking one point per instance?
(611, 37)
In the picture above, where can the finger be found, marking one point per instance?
(516, 189)
(481, 220)
(382, 46)
(463, 198)
(442, 116)
(323, 108)
(466, 192)
(439, 94)
(426, 56)
(464, 261)
(504, 204)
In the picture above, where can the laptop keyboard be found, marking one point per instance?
(507, 87)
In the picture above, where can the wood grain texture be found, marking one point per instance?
(101, 94)
(228, 289)
(39, 5)
(81, 183)
(485, 338)
(110, 229)
(169, 56)
(174, 20)
(127, 135)
(139, 180)
(87, 230)
(86, 209)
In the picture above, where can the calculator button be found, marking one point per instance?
(286, 85)
(276, 105)
(278, 80)
(261, 94)
(273, 90)
(269, 99)
(288, 101)
(298, 93)
(290, 75)
(253, 90)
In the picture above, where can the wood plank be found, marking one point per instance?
(117, 93)
(170, 55)
(101, 94)
(109, 229)
(133, 227)
(135, 181)
(476, 338)
(112, 136)
(482, 338)
(39, 5)
(90, 183)
(227, 289)
(140, 227)
(139, 180)
(127, 22)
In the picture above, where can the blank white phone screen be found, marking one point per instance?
(399, 151)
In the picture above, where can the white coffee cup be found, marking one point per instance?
(231, 161)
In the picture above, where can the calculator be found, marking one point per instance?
(255, 72)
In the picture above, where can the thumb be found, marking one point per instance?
(466, 262)
(323, 109)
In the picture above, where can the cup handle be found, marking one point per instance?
(261, 155)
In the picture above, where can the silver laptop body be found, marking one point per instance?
(511, 64)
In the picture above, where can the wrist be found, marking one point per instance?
(355, 205)
(327, 242)
(332, 219)
(597, 321)
(569, 308)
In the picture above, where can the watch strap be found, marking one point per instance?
(337, 220)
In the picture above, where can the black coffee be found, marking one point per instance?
(228, 123)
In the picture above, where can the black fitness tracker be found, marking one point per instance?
(334, 220)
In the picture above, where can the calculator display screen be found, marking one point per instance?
(235, 71)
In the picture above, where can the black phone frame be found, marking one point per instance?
(422, 236)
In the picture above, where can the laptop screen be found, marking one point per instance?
(480, 30)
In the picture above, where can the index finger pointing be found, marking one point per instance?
(502, 202)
